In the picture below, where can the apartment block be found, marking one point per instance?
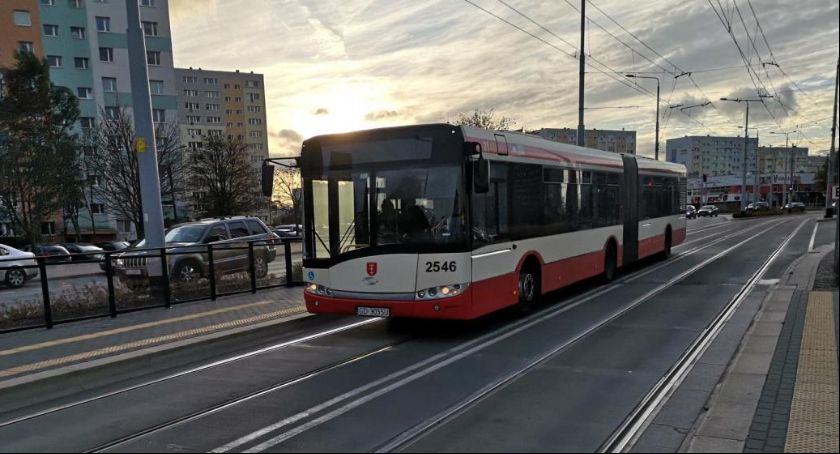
(601, 139)
(20, 29)
(223, 103)
(712, 155)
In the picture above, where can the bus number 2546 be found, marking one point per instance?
(436, 267)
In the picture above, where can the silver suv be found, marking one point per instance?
(188, 252)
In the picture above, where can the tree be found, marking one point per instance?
(221, 172)
(111, 159)
(38, 151)
(288, 191)
(486, 119)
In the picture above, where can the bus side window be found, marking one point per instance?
(490, 210)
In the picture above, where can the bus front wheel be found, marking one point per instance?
(529, 288)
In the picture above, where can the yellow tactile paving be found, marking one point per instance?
(815, 409)
(127, 329)
(34, 367)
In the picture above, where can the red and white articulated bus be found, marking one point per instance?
(451, 222)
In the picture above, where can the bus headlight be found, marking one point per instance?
(443, 291)
(316, 289)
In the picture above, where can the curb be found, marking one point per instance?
(144, 354)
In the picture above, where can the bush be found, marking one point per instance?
(758, 214)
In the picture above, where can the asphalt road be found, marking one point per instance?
(560, 379)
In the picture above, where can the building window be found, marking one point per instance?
(252, 84)
(103, 24)
(211, 81)
(77, 32)
(75, 4)
(124, 226)
(26, 47)
(147, 3)
(106, 54)
(192, 106)
(97, 208)
(81, 63)
(153, 58)
(158, 115)
(48, 2)
(214, 120)
(190, 80)
(211, 94)
(48, 228)
(213, 107)
(55, 61)
(191, 119)
(215, 132)
(156, 87)
(254, 109)
(191, 93)
(109, 85)
(23, 19)
(254, 121)
(150, 28)
(50, 30)
(87, 122)
(85, 93)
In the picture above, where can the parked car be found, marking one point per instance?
(708, 211)
(758, 206)
(114, 246)
(12, 262)
(795, 206)
(84, 252)
(690, 212)
(190, 260)
(53, 253)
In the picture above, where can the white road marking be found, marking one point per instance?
(813, 238)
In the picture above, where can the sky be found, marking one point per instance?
(342, 65)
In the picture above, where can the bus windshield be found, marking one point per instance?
(394, 208)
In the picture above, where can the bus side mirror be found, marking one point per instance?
(267, 180)
(481, 176)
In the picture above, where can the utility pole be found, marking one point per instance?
(581, 140)
(145, 145)
(787, 197)
(830, 180)
(746, 142)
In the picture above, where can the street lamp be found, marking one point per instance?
(787, 198)
(633, 76)
(746, 143)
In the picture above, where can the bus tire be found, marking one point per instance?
(529, 286)
(610, 262)
(669, 244)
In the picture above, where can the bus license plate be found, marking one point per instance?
(373, 312)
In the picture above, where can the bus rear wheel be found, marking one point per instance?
(669, 244)
(610, 263)
(529, 289)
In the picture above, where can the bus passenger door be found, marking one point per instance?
(630, 210)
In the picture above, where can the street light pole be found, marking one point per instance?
(145, 144)
(656, 146)
(757, 174)
(581, 140)
(746, 143)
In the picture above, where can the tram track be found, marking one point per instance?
(371, 391)
(496, 335)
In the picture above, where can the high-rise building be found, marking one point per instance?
(711, 155)
(601, 139)
(20, 29)
(223, 103)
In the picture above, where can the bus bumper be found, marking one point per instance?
(455, 308)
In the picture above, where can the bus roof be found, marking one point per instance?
(528, 146)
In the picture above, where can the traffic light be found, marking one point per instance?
(267, 179)
(705, 178)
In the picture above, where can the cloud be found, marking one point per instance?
(286, 142)
(381, 115)
(321, 111)
(184, 9)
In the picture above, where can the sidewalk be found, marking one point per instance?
(780, 394)
(32, 355)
